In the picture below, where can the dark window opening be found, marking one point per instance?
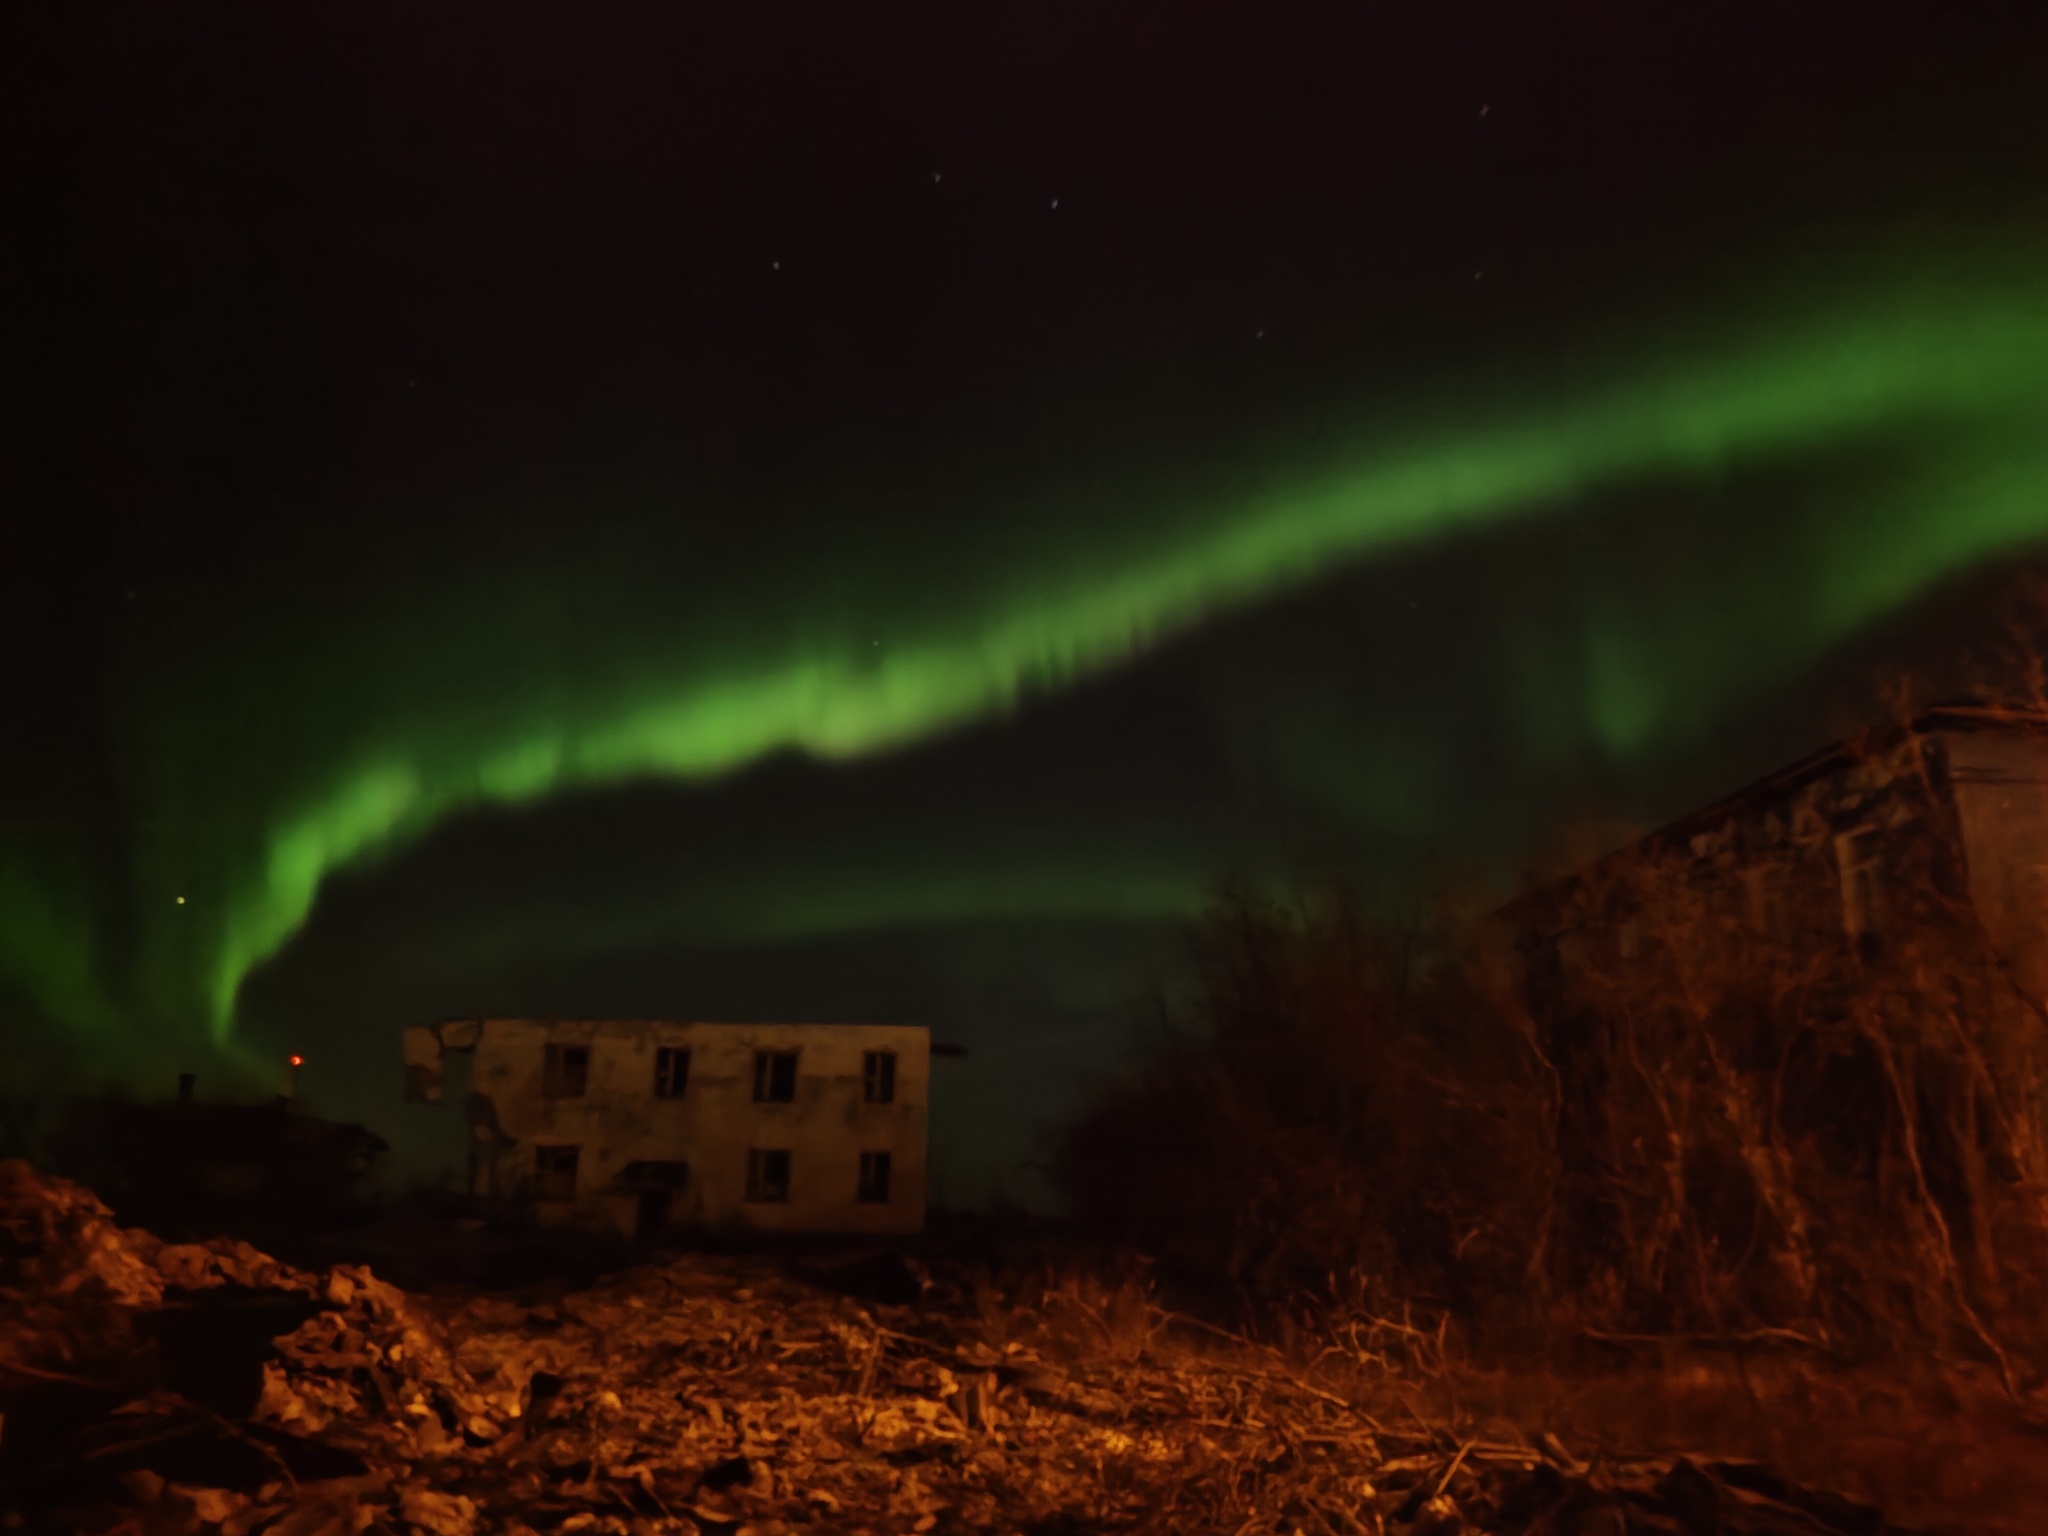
(774, 1077)
(768, 1177)
(878, 1077)
(554, 1173)
(565, 1071)
(671, 1071)
(874, 1179)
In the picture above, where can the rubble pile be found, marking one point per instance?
(70, 1280)
(726, 1395)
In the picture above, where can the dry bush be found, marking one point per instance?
(1774, 1122)
(1672, 1098)
(1351, 1118)
(1094, 1317)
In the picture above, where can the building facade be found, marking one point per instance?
(1907, 870)
(1944, 819)
(639, 1126)
(1793, 1048)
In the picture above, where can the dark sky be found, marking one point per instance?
(826, 511)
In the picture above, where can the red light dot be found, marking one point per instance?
(298, 1061)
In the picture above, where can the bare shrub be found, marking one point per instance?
(1765, 1077)
(1779, 1122)
(1352, 1115)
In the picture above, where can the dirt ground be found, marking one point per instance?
(201, 1388)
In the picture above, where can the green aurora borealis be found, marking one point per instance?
(801, 514)
(1949, 385)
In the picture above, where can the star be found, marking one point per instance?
(1055, 202)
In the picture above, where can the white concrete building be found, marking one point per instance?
(641, 1125)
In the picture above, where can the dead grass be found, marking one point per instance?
(1936, 1453)
(734, 1392)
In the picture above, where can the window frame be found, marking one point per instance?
(560, 1076)
(878, 1077)
(768, 1072)
(669, 1082)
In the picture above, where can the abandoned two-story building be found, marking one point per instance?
(642, 1125)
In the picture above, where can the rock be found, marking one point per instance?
(70, 1279)
(202, 1506)
(436, 1514)
(144, 1485)
(676, 1397)
(1692, 1496)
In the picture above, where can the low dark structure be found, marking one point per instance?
(1797, 1044)
(190, 1168)
(1943, 819)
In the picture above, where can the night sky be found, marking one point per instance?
(840, 511)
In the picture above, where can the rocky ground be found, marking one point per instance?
(200, 1388)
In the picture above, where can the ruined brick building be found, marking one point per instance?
(642, 1125)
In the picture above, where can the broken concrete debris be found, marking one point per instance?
(709, 1394)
